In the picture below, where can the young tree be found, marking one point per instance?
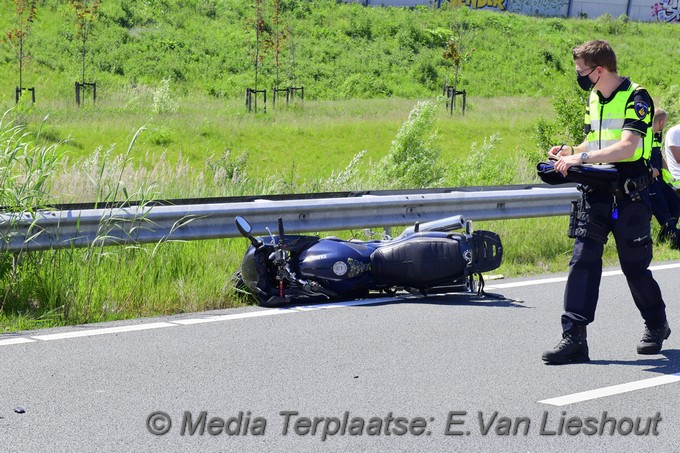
(279, 37)
(26, 13)
(291, 71)
(457, 51)
(86, 14)
(262, 31)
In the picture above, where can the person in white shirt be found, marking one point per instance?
(672, 148)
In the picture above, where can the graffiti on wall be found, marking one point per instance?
(479, 4)
(667, 11)
(538, 7)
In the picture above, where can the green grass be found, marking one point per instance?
(301, 142)
(95, 284)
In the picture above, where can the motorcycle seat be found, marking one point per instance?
(419, 262)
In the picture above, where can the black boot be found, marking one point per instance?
(652, 339)
(675, 239)
(572, 349)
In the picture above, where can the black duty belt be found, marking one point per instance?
(633, 186)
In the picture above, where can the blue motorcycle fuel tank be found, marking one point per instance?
(341, 265)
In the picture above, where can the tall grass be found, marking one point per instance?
(96, 282)
(301, 142)
(24, 167)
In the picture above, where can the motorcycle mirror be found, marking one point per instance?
(243, 226)
(245, 229)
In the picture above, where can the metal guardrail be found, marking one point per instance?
(140, 224)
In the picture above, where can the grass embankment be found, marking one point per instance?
(335, 50)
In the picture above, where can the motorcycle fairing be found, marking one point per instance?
(318, 261)
(254, 269)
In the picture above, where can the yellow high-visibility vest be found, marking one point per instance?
(606, 122)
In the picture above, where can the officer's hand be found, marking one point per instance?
(564, 162)
(557, 151)
(655, 173)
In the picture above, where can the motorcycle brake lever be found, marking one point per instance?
(270, 234)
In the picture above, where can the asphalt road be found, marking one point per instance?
(446, 373)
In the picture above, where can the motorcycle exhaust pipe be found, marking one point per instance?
(456, 222)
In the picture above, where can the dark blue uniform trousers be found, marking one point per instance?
(631, 232)
(665, 202)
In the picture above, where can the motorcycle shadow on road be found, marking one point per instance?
(487, 300)
(666, 362)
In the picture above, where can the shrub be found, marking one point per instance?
(163, 101)
(413, 160)
(481, 168)
(227, 168)
(607, 24)
(567, 127)
(364, 86)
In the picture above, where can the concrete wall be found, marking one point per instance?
(639, 10)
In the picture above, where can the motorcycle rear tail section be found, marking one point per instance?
(487, 251)
(437, 259)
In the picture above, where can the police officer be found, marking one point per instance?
(617, 125)
(665, 202)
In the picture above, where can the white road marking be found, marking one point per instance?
(545, 281)
(190, 321)
(613, 390)
(281, 311)
(103, 331)
(16, 341)
(276, 311)
(350, 303)
(252, 314)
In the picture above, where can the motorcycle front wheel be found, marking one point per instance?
(237, 281)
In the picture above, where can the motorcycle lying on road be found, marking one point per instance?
(436, 257)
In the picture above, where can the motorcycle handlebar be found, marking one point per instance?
(280, 230)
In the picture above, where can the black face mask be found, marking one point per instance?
(584, 80)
